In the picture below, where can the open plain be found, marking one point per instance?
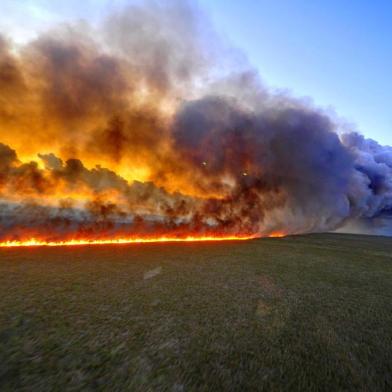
(297, 313)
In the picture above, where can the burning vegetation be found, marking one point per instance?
(134, 131)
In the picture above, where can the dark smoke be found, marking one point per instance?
(153, 87)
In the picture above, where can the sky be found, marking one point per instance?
(339, 53)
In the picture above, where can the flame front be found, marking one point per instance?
(119, 241)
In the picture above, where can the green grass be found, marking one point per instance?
(293, 314)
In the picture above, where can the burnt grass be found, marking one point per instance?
(304, 313)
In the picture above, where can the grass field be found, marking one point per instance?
(299, 313)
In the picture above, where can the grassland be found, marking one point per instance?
(292, 314)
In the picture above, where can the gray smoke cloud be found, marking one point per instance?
(153, 86)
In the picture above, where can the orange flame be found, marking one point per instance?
(75, 242)
(277, 234)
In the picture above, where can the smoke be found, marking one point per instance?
(148, 124)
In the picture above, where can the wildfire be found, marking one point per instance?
(105, 140)
(75, 242)
(277, 234)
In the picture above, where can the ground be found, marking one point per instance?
(286, 314)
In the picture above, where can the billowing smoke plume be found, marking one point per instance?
(148, 126)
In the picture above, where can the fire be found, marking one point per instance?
(119, 241)
(105, 144)
(277, 234)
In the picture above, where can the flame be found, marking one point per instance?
(121, 241)
(277, 234)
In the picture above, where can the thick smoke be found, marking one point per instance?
(147, 125)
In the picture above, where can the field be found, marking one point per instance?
(287, 314)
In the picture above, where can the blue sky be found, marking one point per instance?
(337, 52)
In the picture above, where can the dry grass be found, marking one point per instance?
(301, 313)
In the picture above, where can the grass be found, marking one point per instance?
(306, 313)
